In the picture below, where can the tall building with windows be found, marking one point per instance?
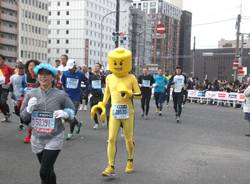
(176, 3)
(33, 30)
(76, 28)
(166, 45)
(23, 29)
(9, 29)
(141, 39)
(185, 41)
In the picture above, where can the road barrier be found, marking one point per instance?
(216, 97)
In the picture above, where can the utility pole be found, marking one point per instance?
(117, 23)
(241, 49)
(237, 50)
(193, 57)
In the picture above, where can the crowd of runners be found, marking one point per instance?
(46, 96)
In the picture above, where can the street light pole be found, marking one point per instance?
(102, 35)
(102, 32)
(237, 51)
(117, 23)
(138, 52)
(193, 57)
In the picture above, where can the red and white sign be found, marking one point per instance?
(235, 64)
(241, 71)
(241, 97)
(160, 28)
(222, 96)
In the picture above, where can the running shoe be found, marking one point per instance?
(178, 119)
(21, 127)
(27, 139)
(69, 137)
(146, 117)
(6, 119)
(160, 113)
(79, 125)
(96, 126)
(109, 171)
(129, 167)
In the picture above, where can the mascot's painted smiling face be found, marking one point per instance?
(120, 62)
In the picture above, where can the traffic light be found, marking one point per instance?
(115, 36)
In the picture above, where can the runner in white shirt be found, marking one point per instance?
(178, 81)
(63, 67)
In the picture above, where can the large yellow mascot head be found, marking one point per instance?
(120, 62)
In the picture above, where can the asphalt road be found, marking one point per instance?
(209, 146)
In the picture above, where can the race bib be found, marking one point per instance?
(146, 83)
(43, 122)
(96, 84)
(179, 84)
(72, 83)
(83, 85)
(120, 111)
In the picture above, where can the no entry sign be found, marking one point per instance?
(160, 28)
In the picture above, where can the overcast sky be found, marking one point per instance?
(206, 11)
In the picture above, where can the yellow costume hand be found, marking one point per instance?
(100, 109)
(126, 93)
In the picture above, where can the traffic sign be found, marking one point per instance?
(159, 36)
(241, 71)
(160, 28)
(235, 64)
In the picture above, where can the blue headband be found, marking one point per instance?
(46, 66)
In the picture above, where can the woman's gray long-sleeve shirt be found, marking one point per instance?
(48, 101)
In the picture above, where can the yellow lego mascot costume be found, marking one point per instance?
(122, 87)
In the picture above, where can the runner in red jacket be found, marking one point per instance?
(5, 73)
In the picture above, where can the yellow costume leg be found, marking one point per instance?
(114, 126)
(128, 128)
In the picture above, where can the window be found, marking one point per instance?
(67, 3)
(67, 51)
(57, 31)
(58, 3)
(67, 12)
(58, 22)
(67, 31)
(57, 51)
(67, 21)
(58, 13)
(57, 41)
(67, 41)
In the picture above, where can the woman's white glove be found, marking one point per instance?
(31, 104)
(154, 85)
(61, 114)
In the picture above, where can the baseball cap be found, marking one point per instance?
(71, 63)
